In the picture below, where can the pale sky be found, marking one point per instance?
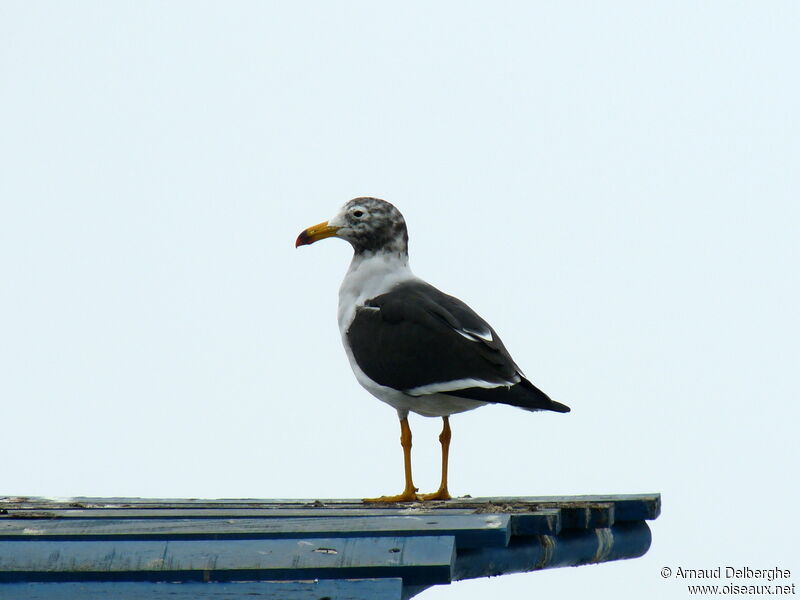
(612, 185)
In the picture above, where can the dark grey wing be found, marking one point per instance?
(419, 340)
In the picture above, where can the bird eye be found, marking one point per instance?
(358, 214)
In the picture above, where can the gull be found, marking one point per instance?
(410, 345)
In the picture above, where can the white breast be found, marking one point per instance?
(366, 278)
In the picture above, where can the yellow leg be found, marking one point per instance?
(444, 438)
(409, 493)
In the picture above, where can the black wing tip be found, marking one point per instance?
(549, 405)
(544, 401)
(523, 395)
(558, 407)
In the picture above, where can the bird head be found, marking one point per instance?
(369, 224)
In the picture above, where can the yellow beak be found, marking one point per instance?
(315, 233)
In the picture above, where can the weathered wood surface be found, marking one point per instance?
(470, 531)
(543, 521)
(217, 512)
(542, 514)
(338, 589)
(421, 560)
(628, 507)
(102, 542)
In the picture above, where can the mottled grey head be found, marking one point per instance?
(369, 224)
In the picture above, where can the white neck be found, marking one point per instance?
(370, 275)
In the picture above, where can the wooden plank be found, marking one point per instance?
(94, 541)
(470, 531)
(111, 502)
(228, 513)
(523, 520)
(96, 502)
(546, 521)
(591, 515)
(340, 589)
(627, 507)
(417, 560)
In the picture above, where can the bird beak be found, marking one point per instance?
(315, 233)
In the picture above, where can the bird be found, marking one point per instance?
(411, 345)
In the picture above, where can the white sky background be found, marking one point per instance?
(614, 188)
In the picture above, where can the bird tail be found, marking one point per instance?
(523, 395)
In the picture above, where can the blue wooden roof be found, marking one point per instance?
(142, 548)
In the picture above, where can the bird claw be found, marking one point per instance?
(412, 496)
(440, 494)
(406, 496)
